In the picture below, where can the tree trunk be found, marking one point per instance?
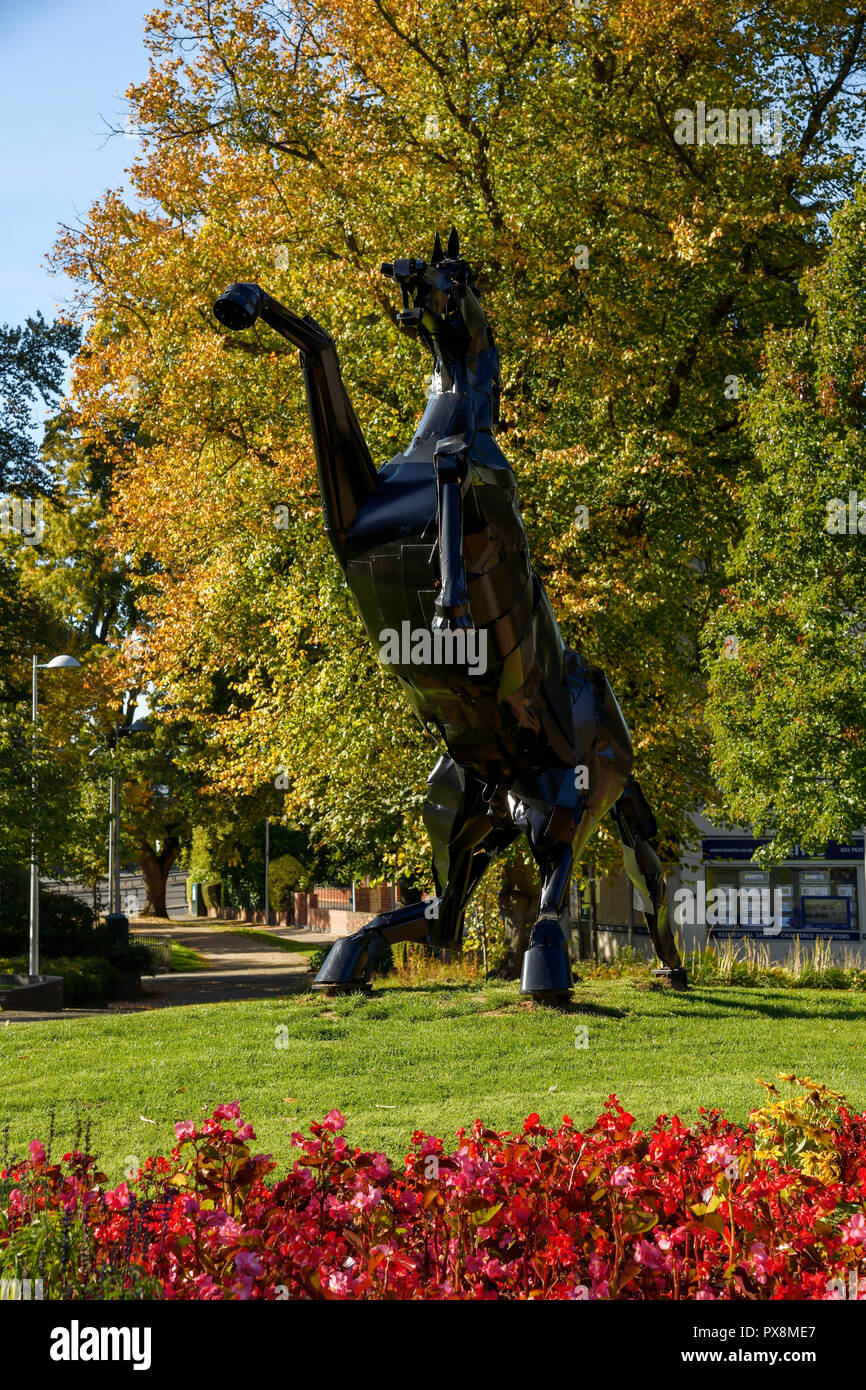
(518, 906)
(155, 869)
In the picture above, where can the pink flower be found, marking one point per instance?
(853, 1231)
(231, 1111)
(339, 1283)
(623, 1177)
(230, 1230)
(245, 1132)
(334, 1121)
(185, 1129)
(408, 1203)
(217, 1217)
(648, 1254)
(37, 1151)
(246, 1263)
(367, 1200)
(760, 1258)
(339, 1210)
(719, 1152)
(119, 1198)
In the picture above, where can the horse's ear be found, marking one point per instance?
(438, 254)
(453, 244)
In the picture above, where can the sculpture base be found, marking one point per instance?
(349, 987)
(673, 979)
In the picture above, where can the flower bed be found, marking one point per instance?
(713, 1211)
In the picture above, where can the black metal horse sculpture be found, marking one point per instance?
(436, 556)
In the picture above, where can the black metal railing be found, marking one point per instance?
(159, 947)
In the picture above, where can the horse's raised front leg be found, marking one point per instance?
(451, 611)
(347, 477)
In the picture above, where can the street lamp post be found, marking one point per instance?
(56, 662)
(114, 823)
(267, 870)
(112, 907)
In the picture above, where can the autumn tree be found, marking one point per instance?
(786, 650)
(34, 357)
(630, 277)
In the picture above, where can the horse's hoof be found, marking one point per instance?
(546, 968)
(349, 963)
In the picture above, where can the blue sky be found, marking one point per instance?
(64, 65)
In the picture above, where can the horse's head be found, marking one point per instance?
(442, 308)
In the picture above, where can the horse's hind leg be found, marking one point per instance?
(638, 831)
(546, 970)
(351, 961)
(463, 842)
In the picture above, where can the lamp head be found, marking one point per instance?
(57, 661)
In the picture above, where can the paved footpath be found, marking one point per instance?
(238, 968)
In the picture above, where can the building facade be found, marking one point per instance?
(719, 894)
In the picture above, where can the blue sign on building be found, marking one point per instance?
(745, 849)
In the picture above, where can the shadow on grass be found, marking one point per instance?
(588, 1006)
(439, 987)
(767, 1004)
(499, 1007)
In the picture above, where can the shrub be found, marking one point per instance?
(212, 893)
(711, 1211)
(749, 963)
(86, 979)
(130, 960)
(285, 876)
(66, 925)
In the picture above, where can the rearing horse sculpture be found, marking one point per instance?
(436, 556)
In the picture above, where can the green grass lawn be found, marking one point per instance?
(186, 961)
(278, 943)
(431, 1057)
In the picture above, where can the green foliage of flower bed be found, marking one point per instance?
(86, 979)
